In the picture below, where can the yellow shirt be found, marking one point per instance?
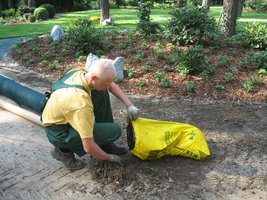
(71, 105)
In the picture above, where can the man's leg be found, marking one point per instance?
(66, 142)
(105, 134)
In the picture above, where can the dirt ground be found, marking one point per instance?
(235, 132)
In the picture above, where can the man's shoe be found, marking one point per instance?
(68, 159)
(114, 149)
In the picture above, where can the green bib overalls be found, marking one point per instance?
(105, 130)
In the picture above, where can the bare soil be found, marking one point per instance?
(235, 132)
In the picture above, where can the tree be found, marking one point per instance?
(31, 3)
(10, 3)
(227, 21)
(104, 4)
(206, 4)
(181, 3)
(240, 7)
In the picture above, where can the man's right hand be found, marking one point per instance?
(115, 159)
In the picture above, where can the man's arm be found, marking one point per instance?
(117, 92)
(133, 112)
(90, 147)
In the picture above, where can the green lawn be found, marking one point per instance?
(124, 19)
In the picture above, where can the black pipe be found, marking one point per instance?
(25, 97)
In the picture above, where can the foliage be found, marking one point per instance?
(145, 26)
(258, 5)
(191, 60)
(22, 9)
(262, 72)
(50, 8)
(188, 25)
(219, 86)
(254, 35)
(194, 2)
(9, 13)
(261, 60)
(165, 82)
(190, 86)
(81, 5)
(32, 18)
(249, 85)
(132, 2)
(142, 83)
(41, 13)
(79, 23)
(83, 37)
(163, 5)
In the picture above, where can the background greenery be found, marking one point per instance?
(124, 19)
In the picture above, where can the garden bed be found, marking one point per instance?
(147, 63)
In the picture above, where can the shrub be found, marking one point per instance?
(41, 13)
(81, 5)
(254, 35)
(50, 8)
(145, 26)
(132, 2)
(32, 18)
(191, 60)
(22, 9)
(79, 23)
(258, 5)
(83, 37)
(9, 13)
(261, 60)
(188, 25)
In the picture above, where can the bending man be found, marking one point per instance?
(78, 117)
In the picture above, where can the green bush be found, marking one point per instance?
(188, 25)
(22, 9)
(41, 13)
(84, 38)
(145, 26)
(191, 60)
(257, 5)
(131, 2)
(32, 18)
(261, 60)
(9, 13)
(50, 8)
(254, 35)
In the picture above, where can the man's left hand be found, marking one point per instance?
(133, 112)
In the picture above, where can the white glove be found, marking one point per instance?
(133, 112)
(115, 159)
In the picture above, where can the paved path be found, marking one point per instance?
(5, 45)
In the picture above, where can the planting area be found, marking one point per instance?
(153, 69)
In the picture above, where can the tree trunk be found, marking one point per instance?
(206, 4)
(240, 7)
(31, 3)
(10, 4)
(227, 22)
(181, 3)
(104, 4)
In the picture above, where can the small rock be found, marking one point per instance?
(56, 33)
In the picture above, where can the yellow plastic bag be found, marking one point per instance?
(152, 139)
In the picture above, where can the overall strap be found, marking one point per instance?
(60, 83)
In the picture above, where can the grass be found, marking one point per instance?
(124, 19)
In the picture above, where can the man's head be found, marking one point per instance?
(101, 74)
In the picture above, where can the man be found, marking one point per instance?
(78, 117)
